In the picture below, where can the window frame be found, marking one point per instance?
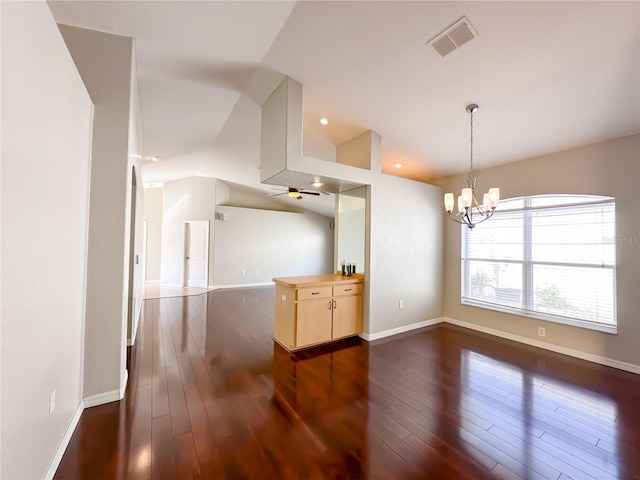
(527, 263)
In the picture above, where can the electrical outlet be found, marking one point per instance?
(542, 332)
(256, 271)
(244, 272)
(401, 304)
(52, 401)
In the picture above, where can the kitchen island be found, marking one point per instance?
(316, 309)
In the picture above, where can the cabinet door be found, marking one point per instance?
(347, 316)
(313, 322)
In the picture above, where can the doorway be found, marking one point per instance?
(133, 259)
(196, 253)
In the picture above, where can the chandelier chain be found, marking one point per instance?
(472, 142)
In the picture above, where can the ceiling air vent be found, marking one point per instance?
(453, 37)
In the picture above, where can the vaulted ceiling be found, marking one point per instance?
(548, 76)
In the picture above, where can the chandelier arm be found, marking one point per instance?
(487, 217)
(456, 220)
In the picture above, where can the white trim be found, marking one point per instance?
(609, 362)
(132, 341)
(369, 337)
(64, 443)
(152, 281)
(598, 327)
(107, 397)
(123, 386)
(244, 285)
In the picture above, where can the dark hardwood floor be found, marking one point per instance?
(210, 396)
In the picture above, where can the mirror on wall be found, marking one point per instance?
(351, 227)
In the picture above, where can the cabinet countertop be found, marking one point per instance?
(318, 280)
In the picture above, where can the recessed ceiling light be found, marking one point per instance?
(398, 165)
(317, 184)
(155, 158)
(324, 121)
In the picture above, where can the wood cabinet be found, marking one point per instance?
(317, 309)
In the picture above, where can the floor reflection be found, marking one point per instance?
(211, 396)
(543, 427)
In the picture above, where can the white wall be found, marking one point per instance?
(153, 216)
(105, 64)
(609, 168)
(191, 198)
(46, 133)
(351, 228)
(267, 243)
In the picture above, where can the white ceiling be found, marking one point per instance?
(548, 76)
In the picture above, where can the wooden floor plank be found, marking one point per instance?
(210, 396)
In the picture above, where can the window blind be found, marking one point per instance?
(550, 256)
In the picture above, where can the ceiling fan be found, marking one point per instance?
(297, 193)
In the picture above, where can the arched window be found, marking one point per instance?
(551, 257)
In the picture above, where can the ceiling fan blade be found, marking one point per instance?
(278, 194)
(306, 192)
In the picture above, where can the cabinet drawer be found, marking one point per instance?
(351, 289)
(313, 293)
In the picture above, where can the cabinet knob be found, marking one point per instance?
(329, 304)
(315, 293)
(335, 305)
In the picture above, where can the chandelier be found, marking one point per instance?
(468, 205)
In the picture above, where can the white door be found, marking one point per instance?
(196, 250)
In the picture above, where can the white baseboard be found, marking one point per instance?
(609, 362)
(152, 281)
(369, 337)
(64, 443)
(107, 397)
(102, 398)
(244, 285)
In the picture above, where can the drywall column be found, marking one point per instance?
(104, 62)
(46, 160)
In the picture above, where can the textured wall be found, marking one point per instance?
(46, 161)
(405, 253)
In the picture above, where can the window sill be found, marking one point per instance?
(612, 329)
